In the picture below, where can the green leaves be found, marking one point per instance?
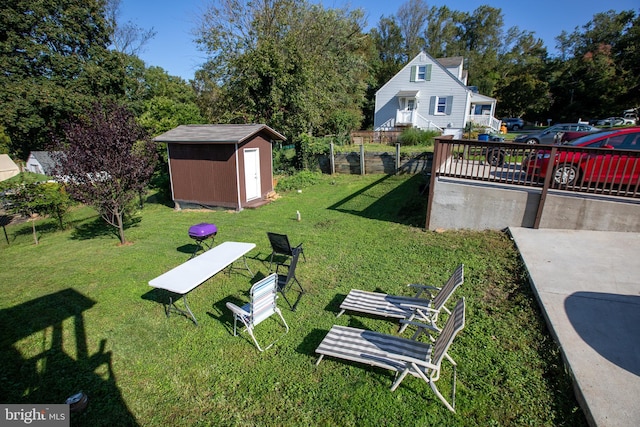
(276, 63)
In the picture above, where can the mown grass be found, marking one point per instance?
(77, 314)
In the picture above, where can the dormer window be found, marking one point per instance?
(421, 73)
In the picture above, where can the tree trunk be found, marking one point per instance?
(120, 228)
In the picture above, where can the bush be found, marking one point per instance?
(284, 160)
(298, 181)
(413, 136)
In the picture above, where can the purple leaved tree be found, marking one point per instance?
(106, 161)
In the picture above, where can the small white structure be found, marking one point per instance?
(433, 94)
(41, 162)
(8, 168)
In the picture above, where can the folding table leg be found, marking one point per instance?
(187, 312)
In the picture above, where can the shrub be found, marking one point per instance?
(298, 181)
(414, 136)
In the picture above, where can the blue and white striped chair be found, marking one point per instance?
(261, 307)
(402, 355)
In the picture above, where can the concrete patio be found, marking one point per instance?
(588, 287)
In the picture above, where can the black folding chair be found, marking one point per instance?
(280, 246)
(286, 279)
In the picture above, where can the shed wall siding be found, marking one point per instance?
(204, 173)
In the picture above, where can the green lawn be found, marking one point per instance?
(77, 314)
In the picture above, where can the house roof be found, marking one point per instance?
(454, 61)
(216, 133)
(409, 93)
(46, 161)
(476, 97)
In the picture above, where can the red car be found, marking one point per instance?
(611, 167)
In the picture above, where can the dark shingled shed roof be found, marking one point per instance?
(216, 133)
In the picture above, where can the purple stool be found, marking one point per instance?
(200, 233)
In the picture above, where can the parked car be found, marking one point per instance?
(613, 121)
(606, 166)
(513, 123)
(551, 135)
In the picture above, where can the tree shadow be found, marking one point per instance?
(610, 324)
(53, 375)
(99, 228)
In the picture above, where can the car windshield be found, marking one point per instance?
(592, 136)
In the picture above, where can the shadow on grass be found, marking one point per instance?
(43, 226)
(52, 375)
(223, 315)
(403, 204)
(99, 228)
(190, 248)
(334, 304)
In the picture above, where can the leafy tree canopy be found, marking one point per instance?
(276, 62)
(106, 161)
(45, 49)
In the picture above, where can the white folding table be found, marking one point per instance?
(191, 274)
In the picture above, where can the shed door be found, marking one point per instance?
(252, 173)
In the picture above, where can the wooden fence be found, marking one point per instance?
(360, 162)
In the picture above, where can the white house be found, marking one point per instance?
(41, 162)
(433, 94)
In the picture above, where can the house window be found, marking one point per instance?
(421, 73)
(441, 105)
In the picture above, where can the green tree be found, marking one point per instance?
(45, 48)
(107, 159)
(35, 199)
(522, 88)
(482, 41)
(167, 102)
(275, 62)
(388, 43)
(596, 74)
(443, 33)
(5, 141)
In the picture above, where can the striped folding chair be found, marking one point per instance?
(260, 308)
(402, 355)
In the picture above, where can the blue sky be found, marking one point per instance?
(174, 50)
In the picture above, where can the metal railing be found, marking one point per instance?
(548, 167)
(558, 167)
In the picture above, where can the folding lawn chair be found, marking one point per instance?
(280, 246)
(286, 279)
(404, 308)
(402, 355)
(261, 307)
